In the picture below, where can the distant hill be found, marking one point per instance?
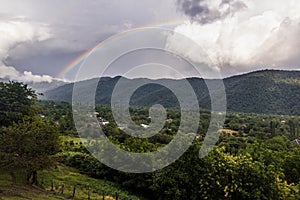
(267, 91)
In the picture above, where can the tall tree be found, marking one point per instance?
(27, 143)
(28, 146)
(16, 102)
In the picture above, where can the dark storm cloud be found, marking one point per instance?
(200, 11)
(193, 9)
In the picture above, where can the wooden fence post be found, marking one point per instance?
(103, 195)
(89, 193)
(52, 185)
(117, 196)
(74, 191)
(62, 189)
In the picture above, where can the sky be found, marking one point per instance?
(40, 38)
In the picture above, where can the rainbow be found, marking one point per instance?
(78, 60)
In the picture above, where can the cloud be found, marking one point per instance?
(76, 26)
(282, 47)
(235, 35)
(208, 11)
(79, 25)
(265, 35)
(11, 73)
(13, 33)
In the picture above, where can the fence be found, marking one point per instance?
(71, 191)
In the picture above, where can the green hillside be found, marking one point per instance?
(268, 91)
(61, 175)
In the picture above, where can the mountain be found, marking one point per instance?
(266, 91)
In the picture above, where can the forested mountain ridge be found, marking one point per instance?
(266, 91)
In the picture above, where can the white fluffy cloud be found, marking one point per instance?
(14, 32)
(263, 35)
(13, 74)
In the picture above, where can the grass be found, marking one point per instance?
(66, 176)
(19, 192)
(69, 177)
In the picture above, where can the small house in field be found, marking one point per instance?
(103, 122)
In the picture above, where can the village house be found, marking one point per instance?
(103, 122)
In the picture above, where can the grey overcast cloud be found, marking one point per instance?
(39, 38)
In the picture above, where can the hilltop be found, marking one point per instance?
(266, 91)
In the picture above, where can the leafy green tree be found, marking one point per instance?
(26, 141)
(180, 179)
(291, 166)
(28, 146)
(16, 102)
(240, 177)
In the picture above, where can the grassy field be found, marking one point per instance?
(63, 177)
(66, 176)
(16, 192)
(69, 177)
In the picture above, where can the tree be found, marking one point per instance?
(16, 102)
(28, 146)
(26, 141)
(180, 179)
(240, 177)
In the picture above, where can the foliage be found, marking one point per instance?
(254, 158)
(16, 102)
(26, 141)
(28, 146)
(239, 177)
